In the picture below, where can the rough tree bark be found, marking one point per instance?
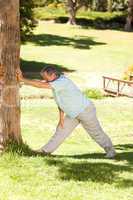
(101, 5)
(71, 6)
(129, 21)
(9, 62)
(110, 3)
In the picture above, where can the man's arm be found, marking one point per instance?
(61, 118)
(34, 83)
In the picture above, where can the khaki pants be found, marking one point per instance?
(90, 123)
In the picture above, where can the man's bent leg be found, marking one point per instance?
(60, 135)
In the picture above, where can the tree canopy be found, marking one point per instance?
(27, 21)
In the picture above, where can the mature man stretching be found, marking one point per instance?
(75, 105)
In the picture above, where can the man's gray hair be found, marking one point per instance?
(50, 70)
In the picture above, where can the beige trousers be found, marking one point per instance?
(90, 123)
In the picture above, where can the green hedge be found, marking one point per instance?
(95, 19)
(94, 93)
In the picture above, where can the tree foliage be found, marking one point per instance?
(27, 22)
(42, 3)
(72, 6)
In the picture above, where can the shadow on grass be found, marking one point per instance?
(81, 42)
(24, 149)
(124, 147)
(125, 154)
(32, 68)
(21, 149)
(102, 172)
(78, 168)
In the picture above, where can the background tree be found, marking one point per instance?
(110, 4)
(100, 5)
(72, 7)
(129, 21)
(27, 20)
(9, 62)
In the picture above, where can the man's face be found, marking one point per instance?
(48, 77)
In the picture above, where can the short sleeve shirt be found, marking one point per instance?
(68, 96)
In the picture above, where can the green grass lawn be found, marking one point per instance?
(78, 169)
(85, 54)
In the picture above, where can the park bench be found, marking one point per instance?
(117, 87)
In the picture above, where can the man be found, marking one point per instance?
(77, 109)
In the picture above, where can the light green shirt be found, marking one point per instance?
(68, 96)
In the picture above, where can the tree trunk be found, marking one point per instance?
(71, 6)
(129, 21)
(110, 3)
(101, 5)
(9, 61)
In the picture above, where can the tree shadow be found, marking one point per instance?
(124, 147)
(32, 68)
(80, 168)
(82, 156)
(21, 149)
(126, 154)
(81, 42)
(101, 172)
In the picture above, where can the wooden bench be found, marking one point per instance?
(117, 87)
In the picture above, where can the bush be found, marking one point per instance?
(47, 13)
(39, 3)
(128, 72)
(102, 20)
(93, 93)
(43, 3)
(27, 21)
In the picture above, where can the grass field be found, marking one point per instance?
(78, 170)
(85, 54)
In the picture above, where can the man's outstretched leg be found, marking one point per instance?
(91, 124)
(60, 135)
